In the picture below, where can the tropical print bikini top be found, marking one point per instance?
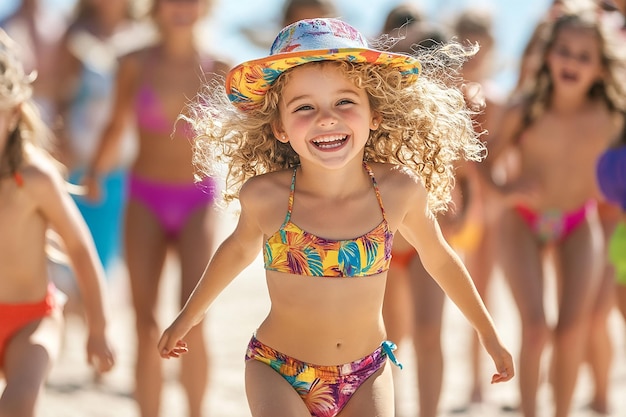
(294, 251)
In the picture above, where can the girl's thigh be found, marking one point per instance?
(521, 258)
(145, 251)
(30, 354)
(270, 395)
(581, 262)
(428, 297)
(195, 246)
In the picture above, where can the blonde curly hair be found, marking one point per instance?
(426, 125)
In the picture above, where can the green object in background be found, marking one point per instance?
(617, 252)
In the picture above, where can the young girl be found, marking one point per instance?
(413, 302)
(166, 210)
(33, 199)
(100, 33)
(483, 209)
(332, 148)
(559, 130)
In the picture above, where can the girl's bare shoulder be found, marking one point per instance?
(265, 197)
(399, 186)
(140, 58)
(41, 176)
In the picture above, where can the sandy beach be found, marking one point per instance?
(71, 391)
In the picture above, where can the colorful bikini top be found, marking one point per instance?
(294, 251)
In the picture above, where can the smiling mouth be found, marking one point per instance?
(569, 76)
(329, 142)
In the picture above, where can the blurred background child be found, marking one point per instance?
(33, 201)
(166, 210)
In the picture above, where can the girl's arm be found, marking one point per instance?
(107, 153)
(421, 229)
(63, 216)
(232, 256)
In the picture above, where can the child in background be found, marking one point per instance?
(611, 172)
(167, 212)
(559, 130)
(100, 33)
(37, 27)
(600, 355)
(476, 241)
(33, 200)
(332, 147)
(294, 10)
(413, 303)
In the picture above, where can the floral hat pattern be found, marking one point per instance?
(309, 41)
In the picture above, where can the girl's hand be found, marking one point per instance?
(100, 355)
(502, 360)
(171, 344)
(91, 183)
(179, 349)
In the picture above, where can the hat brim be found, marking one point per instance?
(247, 83)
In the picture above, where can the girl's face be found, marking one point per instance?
(324, 116)
(179, 13)
(107, 8)
(575, 60)
(305, 12)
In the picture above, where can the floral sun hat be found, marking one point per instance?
(309, 41)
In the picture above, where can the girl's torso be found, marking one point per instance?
(23, 262)
(558, 155)
(163, 88)
(325, 320)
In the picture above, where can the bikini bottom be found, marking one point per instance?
(325, 390)
(554, 225)
(172, 204)
(14, 317)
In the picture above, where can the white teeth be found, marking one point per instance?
(326, 139)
